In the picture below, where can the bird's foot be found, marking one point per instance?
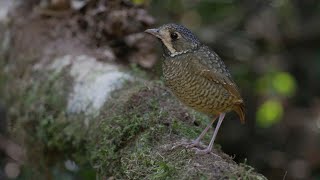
(193, 144)
(207, 150)
(179, 145)
(202, 151)
(188, 145)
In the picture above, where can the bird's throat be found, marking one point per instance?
(171, 52)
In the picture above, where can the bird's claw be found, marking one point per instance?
(188, 145)
(179, 145)
(202, 151)
(194, 144)
(205, 151)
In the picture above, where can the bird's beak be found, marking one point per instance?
(154, 32)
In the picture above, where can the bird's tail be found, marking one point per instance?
(239, 109)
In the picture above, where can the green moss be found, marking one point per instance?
(134, 139)
(143, 162)
(122, 135)
(126, 136)
(185, 130)
(37, 104)
(244, 171)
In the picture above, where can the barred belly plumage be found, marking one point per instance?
(195, 91)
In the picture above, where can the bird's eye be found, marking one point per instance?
(174, 36)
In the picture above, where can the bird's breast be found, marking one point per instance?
(194, 90)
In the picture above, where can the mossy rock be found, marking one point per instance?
(135, 136)
(139, 139)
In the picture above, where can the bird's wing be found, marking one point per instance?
(209, 65)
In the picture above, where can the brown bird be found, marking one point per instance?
(198, 77)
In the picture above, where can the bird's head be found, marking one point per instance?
(176, 39)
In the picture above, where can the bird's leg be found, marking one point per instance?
(209, 148)
(196, 142)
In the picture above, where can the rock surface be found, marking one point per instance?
(93, 81)
(5, 6)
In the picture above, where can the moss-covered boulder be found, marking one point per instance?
(142, 137)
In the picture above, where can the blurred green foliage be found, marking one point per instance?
(284, 83)
(269, 113)
(140, 2)
(276, 84)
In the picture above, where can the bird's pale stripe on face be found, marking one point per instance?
(169, 46)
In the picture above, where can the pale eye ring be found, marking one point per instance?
(174, 36)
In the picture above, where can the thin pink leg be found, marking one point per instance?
(196, 142)
(209, 148)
